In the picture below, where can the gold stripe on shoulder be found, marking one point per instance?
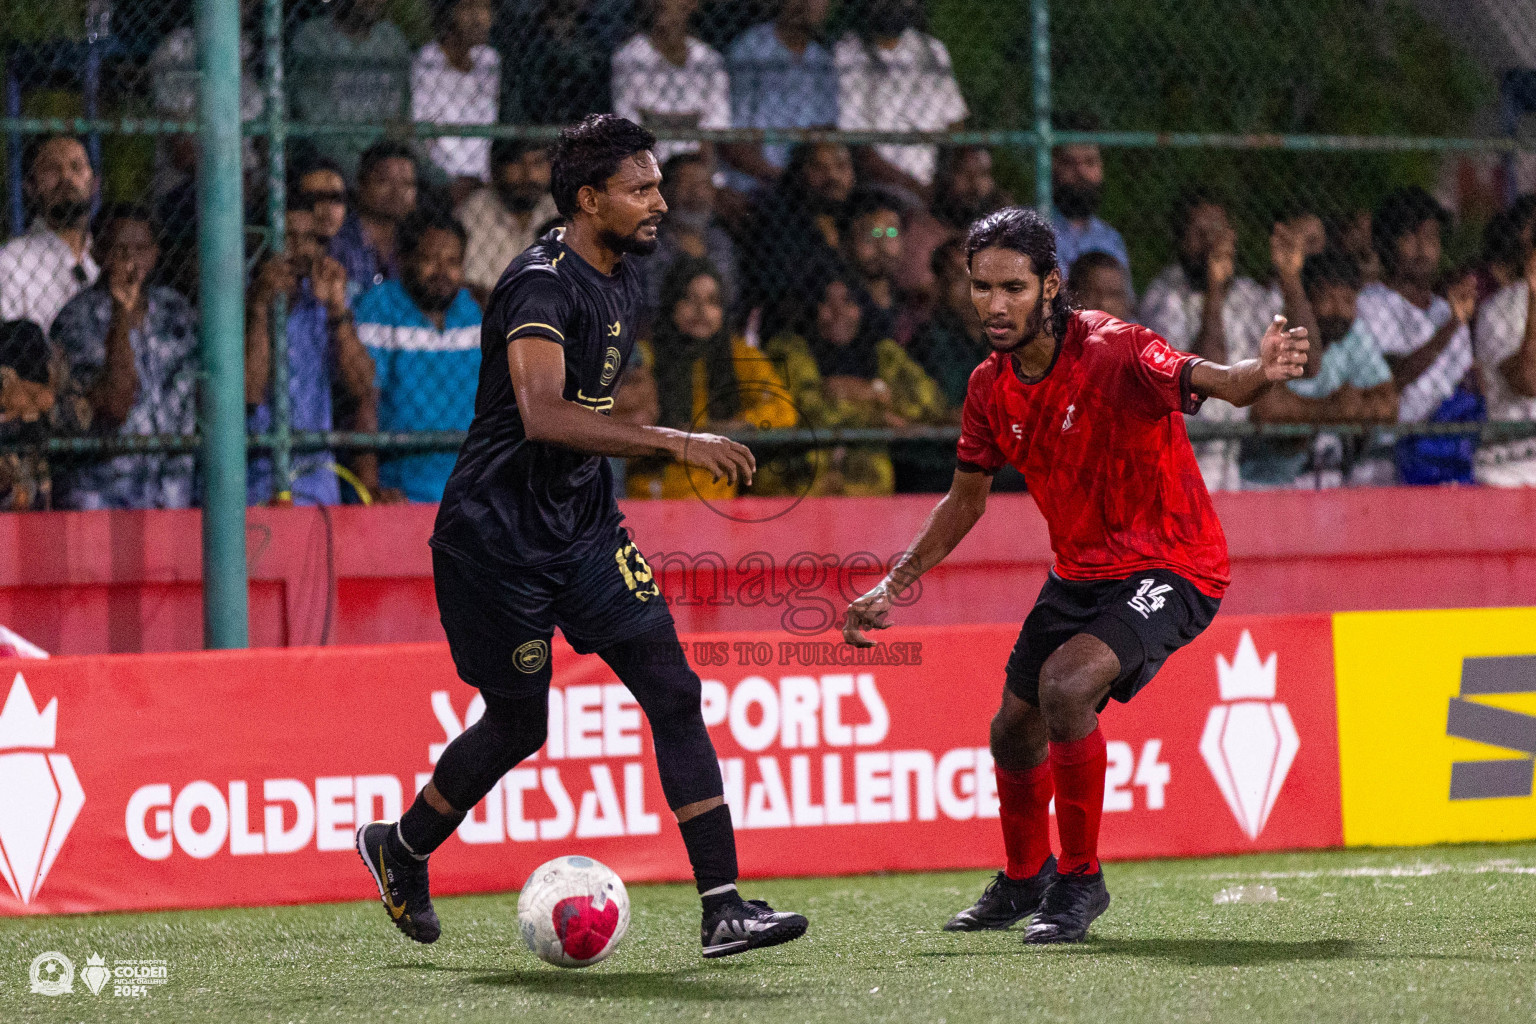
(547, 327)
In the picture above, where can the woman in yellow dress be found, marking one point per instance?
(840, 373)
(705, 380)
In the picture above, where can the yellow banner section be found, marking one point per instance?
(1437, 725)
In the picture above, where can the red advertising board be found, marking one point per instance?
(150, 781)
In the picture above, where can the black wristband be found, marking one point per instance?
(333, 322)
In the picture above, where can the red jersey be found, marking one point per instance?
(1102, 446)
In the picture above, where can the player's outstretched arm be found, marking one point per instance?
(537, 366)
(948, 523)
(1282, 357)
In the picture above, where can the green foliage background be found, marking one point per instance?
(1367, 67)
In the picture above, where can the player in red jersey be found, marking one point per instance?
(1088, 408)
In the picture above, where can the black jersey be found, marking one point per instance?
(520, 503)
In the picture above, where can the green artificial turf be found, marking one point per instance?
(1444, 934)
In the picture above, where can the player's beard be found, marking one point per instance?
(629, 244)
(1031, 329)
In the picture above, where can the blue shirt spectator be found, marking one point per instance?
(322, 344)
(423, 333)
(781, 77)
(426, 378)
(1092, 235)
(309, 398)
(1077, 187)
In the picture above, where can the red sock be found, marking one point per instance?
(1024, 799)
(1078, 769)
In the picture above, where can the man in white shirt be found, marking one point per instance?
(1424, 337)
(503, 219)
(894, 77)
(1506, 355)
(665, 78)
(456, 79)
(43, 269)
(1182, 302)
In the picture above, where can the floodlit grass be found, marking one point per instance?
(1445, 934)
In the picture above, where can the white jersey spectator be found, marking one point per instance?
(1401, 328)
(1501, 333)
(456, 79)
(1174, 309)
(173, 82)
(901, 83)
(39, 273)
(650, 89)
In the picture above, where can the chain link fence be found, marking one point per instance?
(1358, 165)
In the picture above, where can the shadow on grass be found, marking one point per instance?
(686, 986)
(1192, 952)
(1226, 952)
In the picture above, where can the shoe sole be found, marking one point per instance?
(362, 852)
(1057, 937)
(788, 932)
(956, 925)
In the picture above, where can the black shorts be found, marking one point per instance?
(1143, 618)
(499, 624)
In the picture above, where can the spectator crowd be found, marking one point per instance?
(817, 285)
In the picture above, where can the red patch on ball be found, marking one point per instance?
(583, 928)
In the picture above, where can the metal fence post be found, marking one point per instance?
(221, 264)
(1040, 32)
(277, 201)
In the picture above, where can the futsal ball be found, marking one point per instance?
(573, 911)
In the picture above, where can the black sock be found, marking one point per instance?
(421, 830)
(712, 851)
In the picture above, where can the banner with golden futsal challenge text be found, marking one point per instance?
(150, 781)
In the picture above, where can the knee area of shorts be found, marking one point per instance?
(1064, 690)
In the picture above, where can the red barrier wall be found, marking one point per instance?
(146, 781)
(82, 583)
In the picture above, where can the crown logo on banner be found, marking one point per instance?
(1249, 742)
(1245, 677)
(43, 796)
(22, 725)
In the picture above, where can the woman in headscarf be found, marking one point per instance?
(705, 380)
(841, 373)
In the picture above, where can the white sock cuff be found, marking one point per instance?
(720, 890)
(401, 836)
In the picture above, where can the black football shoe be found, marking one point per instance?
(1005, 901)
(402, 887)
(1070, 906)
(748, 924)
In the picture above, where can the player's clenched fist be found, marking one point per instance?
(869, 611)
(1283, 353)
(720, 457)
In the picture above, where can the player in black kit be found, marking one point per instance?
(528, 538)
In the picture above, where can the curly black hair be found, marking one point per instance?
(590, 153)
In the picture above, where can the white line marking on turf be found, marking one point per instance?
(1421, 870)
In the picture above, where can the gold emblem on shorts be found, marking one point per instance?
(531, 656)
(610, 366)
